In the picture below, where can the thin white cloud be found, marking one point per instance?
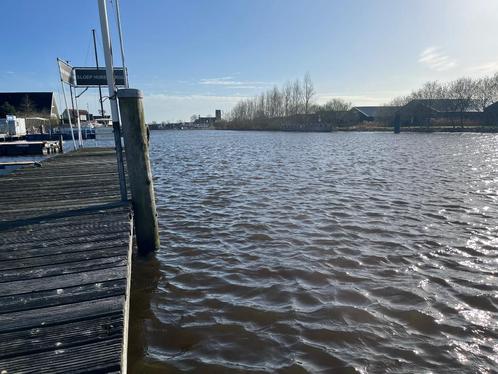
(214, 98)
(231, 82)
(434, 58)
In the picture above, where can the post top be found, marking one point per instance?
(130, 92)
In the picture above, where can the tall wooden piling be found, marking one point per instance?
(139, 171)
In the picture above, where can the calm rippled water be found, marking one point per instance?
(334, 252)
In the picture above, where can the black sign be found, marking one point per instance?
(88, 77)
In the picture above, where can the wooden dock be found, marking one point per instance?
(65, 260)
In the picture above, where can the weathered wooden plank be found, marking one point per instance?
(59, 205)
(46, 338)
(61, 281)
(66, 295)
(16, 236)
(64, 258)
(66, 241)
(66, 229)
(56, 315)
(72, 248)
(69, 267)
(100, 357)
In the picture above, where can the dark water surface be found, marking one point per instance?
(342, 252)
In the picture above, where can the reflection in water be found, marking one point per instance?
(299, 253)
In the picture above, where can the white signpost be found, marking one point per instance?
(66, 74)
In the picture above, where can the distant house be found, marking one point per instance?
(30, 104)
(84, 115)
(205, 120)
(208, 121)
(374, 113)
(338, 118)
(491, 114)
(423, 111)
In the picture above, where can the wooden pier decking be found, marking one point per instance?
(65, 260)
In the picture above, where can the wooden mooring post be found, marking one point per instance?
(139, 172)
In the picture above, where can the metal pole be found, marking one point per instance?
(97, 66)
(73, 110)
(78, 121)
(120, 33)
(68, 114)
(112, 96)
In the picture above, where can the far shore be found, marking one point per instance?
(364, 128)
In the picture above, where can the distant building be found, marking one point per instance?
(84, 115)
(30, 104)
(12, 126)
(373, 113)
(491, 114)
(208, 121)
(423, 111)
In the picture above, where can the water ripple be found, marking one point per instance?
(353, 252)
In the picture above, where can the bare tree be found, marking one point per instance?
(308, 92)
(485, 92)
(296, 98)
(287, 93)
(463, 92)
(6, 109)
(26, 107)
(261, 106)
(400, 101)
(336, 105)
(430, 91)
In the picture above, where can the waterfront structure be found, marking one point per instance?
(373, 113)
(104, 120)
(491, 114)
(12, 126)
(84, 115)
(31, 104)
(424, 111)
(207, 121)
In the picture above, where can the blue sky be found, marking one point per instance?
(193, 56)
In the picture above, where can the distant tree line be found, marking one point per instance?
(26, 108)
(292, 99)
(289, 106)
(465, 93)
(293, 106)
(7, 109)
